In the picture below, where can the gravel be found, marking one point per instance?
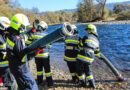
(105, 79)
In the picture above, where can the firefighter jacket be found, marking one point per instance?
(16, 51)
(3, 60)
(89, 47)
(71, 47)
(35, 36)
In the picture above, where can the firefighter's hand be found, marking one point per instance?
(4, 53)
(38, 50)
(33, 30)
(98, 55)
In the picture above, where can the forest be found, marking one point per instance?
(86, 11)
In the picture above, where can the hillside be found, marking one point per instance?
(111, 5)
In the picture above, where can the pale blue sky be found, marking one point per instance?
(53, 5)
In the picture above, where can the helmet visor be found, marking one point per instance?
(41, 28)
(88, 29)
(22, 28)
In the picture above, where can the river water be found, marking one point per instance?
(114, 44)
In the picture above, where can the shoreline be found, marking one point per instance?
(108, 22)
(99, 22)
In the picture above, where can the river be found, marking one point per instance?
(114, 44)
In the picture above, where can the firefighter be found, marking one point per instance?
(89, 47)
(42, 59)
(16, 53)
(5, 74)
(71, 51)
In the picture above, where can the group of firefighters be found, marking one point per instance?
(14, 69)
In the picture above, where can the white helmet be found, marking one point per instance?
(74, 27)
(42, 25)
(4, 23)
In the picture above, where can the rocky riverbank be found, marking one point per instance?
(105, 79)
(109, 22)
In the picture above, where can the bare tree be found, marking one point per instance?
(102, 4)
(35, 10)
(86, 11)
(14, 4)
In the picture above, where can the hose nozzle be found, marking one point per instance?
(67, 29)
(121, 78)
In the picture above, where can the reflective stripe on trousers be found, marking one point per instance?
(49, 74)
(82, 77)
(73, 74)
(39, 73)
(90, 77)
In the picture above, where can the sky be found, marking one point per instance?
(53, 5)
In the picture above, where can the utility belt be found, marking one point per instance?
(71, 48)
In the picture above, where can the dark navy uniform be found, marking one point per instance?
(89, 46)
(42, 59)
(18, 61)
(71, 51)
(5, 73)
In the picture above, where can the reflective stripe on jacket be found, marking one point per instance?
(3, 60)
(88, 46)
(71, 48)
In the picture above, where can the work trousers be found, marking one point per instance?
(8, 78)
(72, 67)
(83, 68)
(40, 64)
(23, 77)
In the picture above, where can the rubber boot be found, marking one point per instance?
(49, 81)
(39, 80)
(82, 82)
(2, 87)
(121, 78)
(92, 83)
(75, 79)
(1, 82)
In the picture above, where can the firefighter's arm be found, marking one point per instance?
(2, 44)
(19, 48)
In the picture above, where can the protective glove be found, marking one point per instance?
(33, 30)
(38, 50)
(98, 55)
(3, 52)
